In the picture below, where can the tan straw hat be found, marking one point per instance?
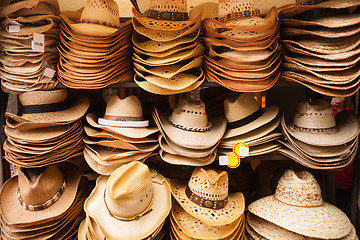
(39, 195)
(189, 125)
(131, 203)
(49, 108)
(314, 123)
(297, 206)
(206, 197)
(244, 114)
(99, 18)
(165, 15)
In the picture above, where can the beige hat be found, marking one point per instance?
(99, 18)
(49, 108)
(165, 15)
(131, 203)
(314, 123)
(30, 7)
(190, 127)
(244, 114)
(297, 206)
(206, 197)
(39, 195)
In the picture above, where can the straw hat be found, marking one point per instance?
(130, 204)
(314, 123)
(99, 18)
(48, 108)
(30, 7)
(297, 206)
(165, 15)
(206, 197)
(124, 117)
(244, 114)
(40, 194)
(189, 125)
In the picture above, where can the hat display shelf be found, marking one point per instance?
(125, 88)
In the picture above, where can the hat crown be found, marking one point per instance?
(128, 107)
(104, 12)
(299, 189)
(40, 8)
(190, 114)
(237, 108)
(317, 114)
(168, 5)
(209, 184)
(230, 10)
(38, 185)
(43, 97)
(129, 190)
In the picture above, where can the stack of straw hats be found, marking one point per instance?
(43, 203)
(48, 131)
(132, 203)
(167, 53)
(243, 51)
(297, 211)
(203, 208)
(95, 48)
(250, 124)
(188, 136)
(318, 139)
(28, 40)
(322, 47)
(121, 136)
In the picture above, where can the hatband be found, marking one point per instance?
(203, 202)
(241, 122)
(44, 108)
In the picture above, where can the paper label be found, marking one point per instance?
(14, 28)
(38, 43)
(223, 160)
(49, 72)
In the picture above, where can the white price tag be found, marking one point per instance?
(38, 43)
(14, 28)
(244, 151)
(49, 72)
(223, 160)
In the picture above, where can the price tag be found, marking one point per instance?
(244, 151)
(38, 43)
(241, 149)
(223, 160)
(49, 72)
(14, 28)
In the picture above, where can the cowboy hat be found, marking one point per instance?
(297, 206)
(39, 195)
(314, 123)
(193, 197)
(130, 204)
(190, 127)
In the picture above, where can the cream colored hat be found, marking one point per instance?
(206, 197)
(189, 126)
(297, 206)
(244, 114)
(314, 123)
(130, 204)
(99, 18)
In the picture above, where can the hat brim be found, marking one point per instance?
(347, 128)
(214, 217)
(197, 140)
(177, 159)
(270, 113)
(77, 107)
(14, 213)
(325, 221)
(129, 230)
(130, 132)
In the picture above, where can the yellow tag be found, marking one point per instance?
(241, 149)
(234, 161)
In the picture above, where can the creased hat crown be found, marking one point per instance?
(299, 189)
(317, 114)
(240, 107)
(230, 10)
(127, 107)
(129, 191)
(103, 12)
(43, 97)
